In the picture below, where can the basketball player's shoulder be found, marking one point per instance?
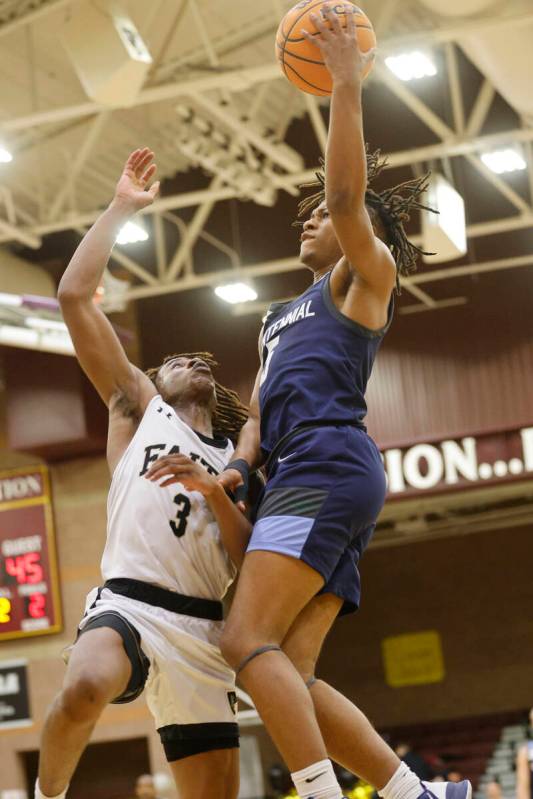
(132, 404)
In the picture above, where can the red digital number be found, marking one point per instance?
(15, 568)
(34, 570)
(25, 568)
(37, 606)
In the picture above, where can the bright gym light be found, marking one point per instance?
(411, 66)
(500, 161)
(131, 233)
(5, 156)
(236, 292)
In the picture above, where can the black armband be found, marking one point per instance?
(241, 466)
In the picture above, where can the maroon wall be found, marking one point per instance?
(458, 371)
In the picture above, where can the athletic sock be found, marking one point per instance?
(40, 795)
(317, 782)
(403, 784)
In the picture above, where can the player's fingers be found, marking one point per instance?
(132, 160)
(139, 156)
(148, 175)
(169, 481)
(320, 25)
(154, 190)
(315, 40)
(351, 26)
(241, 506)
(333, 18)
(143, 163)
(169, 468)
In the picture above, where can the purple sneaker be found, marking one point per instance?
(446, 790)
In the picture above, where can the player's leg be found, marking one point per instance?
(98, 671)
(214, 773)
(272, 590)
(349, 737)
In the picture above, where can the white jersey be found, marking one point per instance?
(166, 536)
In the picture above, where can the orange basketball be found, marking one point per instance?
(300, 61)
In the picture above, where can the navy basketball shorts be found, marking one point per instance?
(325, 490)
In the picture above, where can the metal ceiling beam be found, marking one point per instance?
(237, 80)
(471, 269)
(76, 165)
(456, 93)
(194, 229)
(14, 233)
(480, 109)
(160, 245)
(317, 121)
(444, 132)
(127, 262)
(282, 155)
(292, 264)
(30, 235)
(33, 16)
(454, 33)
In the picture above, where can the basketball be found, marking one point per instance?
(301, 62)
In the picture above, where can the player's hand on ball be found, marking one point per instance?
(171, 469)
(339, 46)
(133, 192)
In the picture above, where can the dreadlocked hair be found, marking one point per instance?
(393, 208)
(230, 414)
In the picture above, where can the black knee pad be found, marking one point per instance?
(184, 740)
(131, 640)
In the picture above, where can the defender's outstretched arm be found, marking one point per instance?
(98, 348)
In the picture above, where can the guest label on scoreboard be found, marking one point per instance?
(29, 588)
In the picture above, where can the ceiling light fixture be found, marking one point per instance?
(236, 292)
(5, 156)
(507, 160)
(411, 66)
(131, 233)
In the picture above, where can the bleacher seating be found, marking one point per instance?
(479, 748)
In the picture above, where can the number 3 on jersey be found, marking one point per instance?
(270, 347)
(179, 525)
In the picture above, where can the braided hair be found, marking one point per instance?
(391, 207)
(230, 414)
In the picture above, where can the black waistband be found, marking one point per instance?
(169, 600)
(305, 426)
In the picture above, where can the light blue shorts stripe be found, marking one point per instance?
(284, 534)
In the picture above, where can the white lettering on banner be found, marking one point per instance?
(425, 466)
(9, 684)
(460, 461)
(20, 488)
(434, 462)
(394, 471)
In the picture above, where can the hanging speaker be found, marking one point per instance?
(108, 53)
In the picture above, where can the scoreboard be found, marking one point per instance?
(29, 585)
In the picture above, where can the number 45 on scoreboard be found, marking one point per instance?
(29, 585)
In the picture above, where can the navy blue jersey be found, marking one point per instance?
(316, 365)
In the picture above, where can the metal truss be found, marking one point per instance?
(211, 96)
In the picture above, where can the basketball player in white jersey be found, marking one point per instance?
(174, 542)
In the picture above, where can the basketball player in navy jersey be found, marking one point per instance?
(174, 541)
(326, 482)
(524, 765)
